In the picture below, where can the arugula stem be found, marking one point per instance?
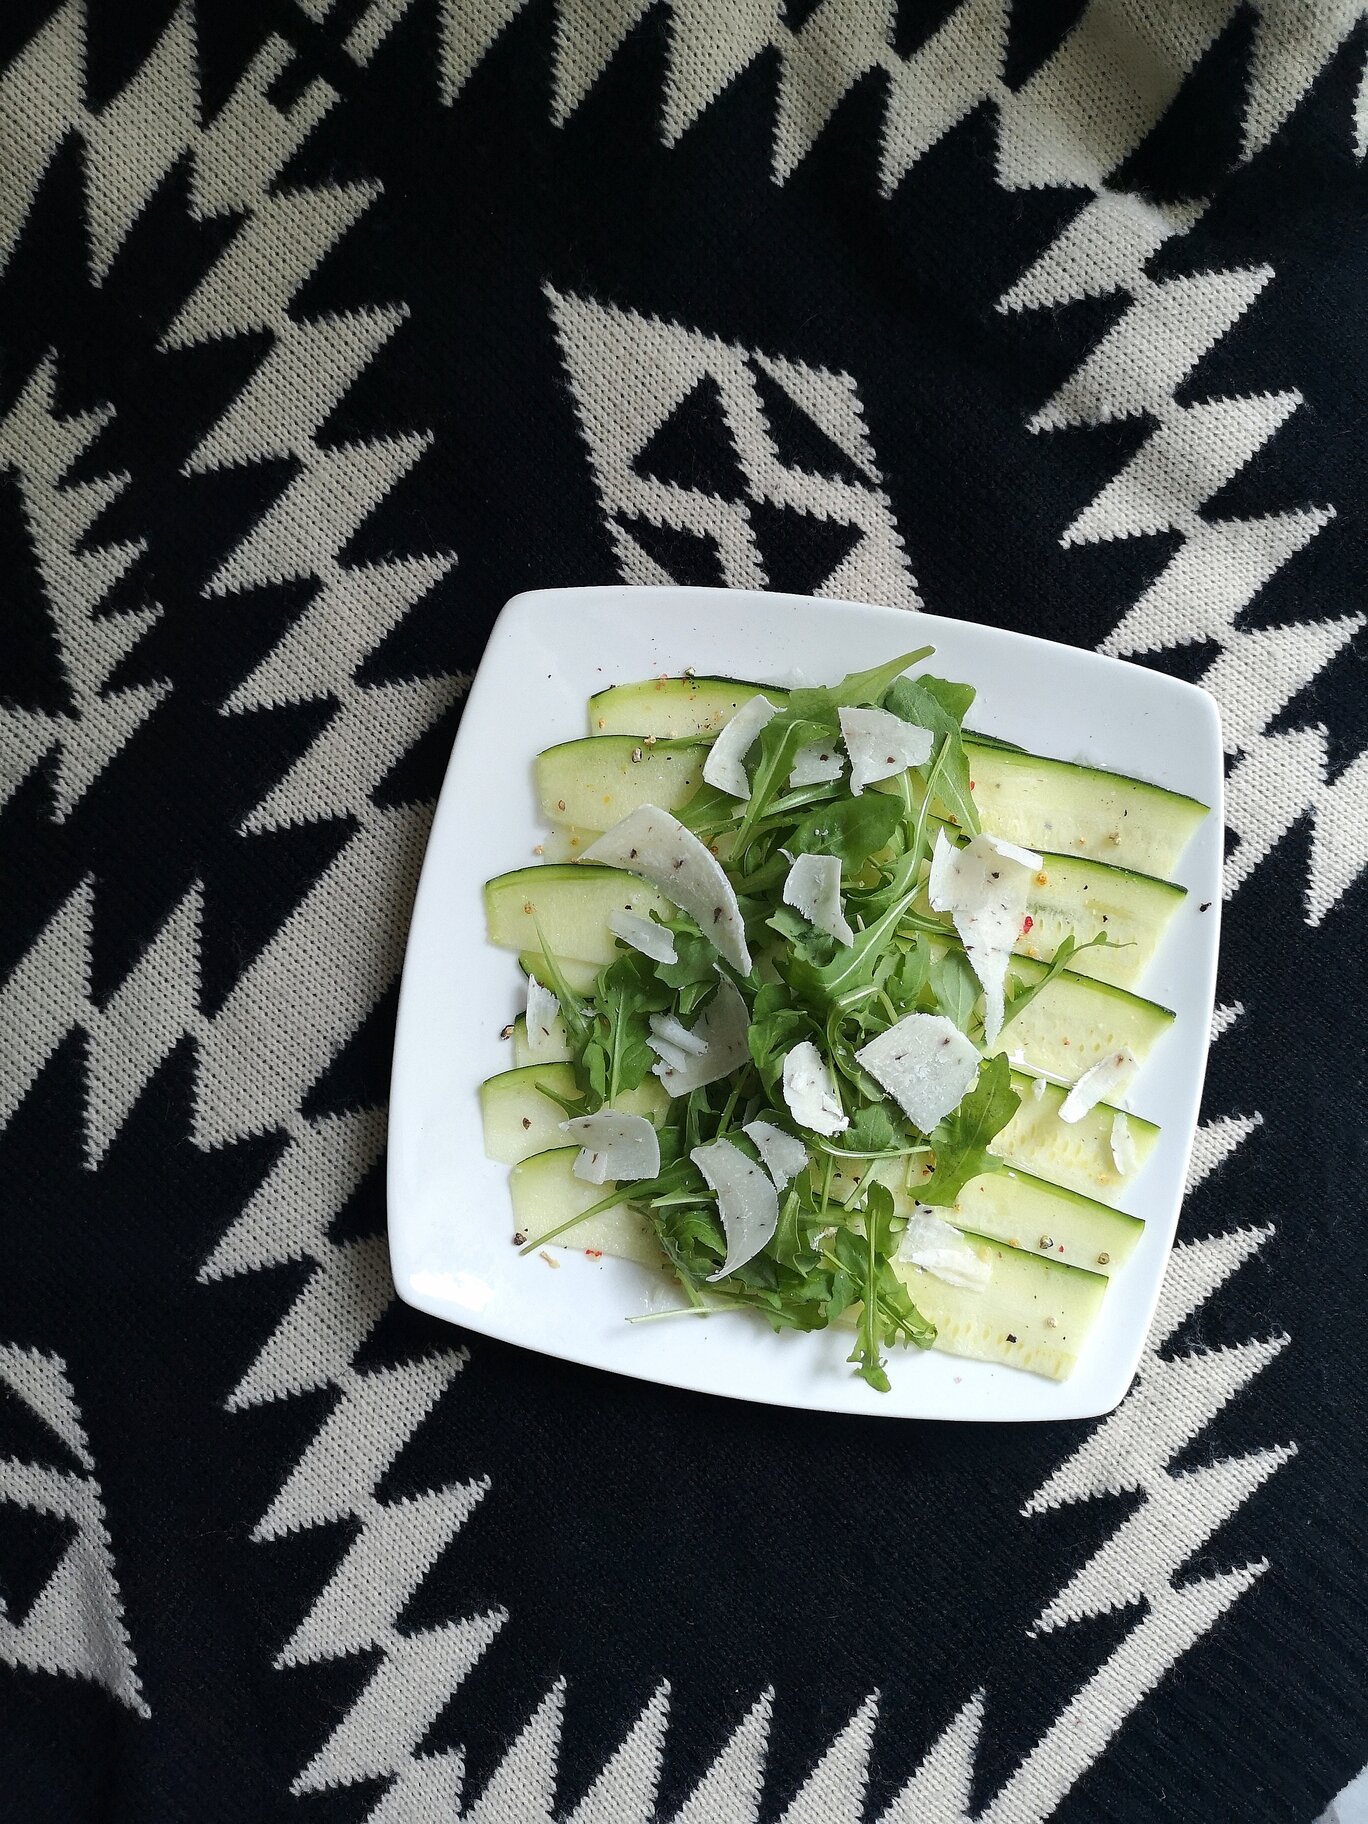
(928, 792)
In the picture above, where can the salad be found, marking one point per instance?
(832, 1011)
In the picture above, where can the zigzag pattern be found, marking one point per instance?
(731, 1790)
(75, 1625)
(1073, 122)
(1220, 566)
(129, 1035)
(328, 965)
(42, 447)
(1172, 1402)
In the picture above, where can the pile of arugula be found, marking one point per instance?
(833, 1250)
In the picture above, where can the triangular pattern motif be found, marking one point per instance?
(1076, 120)
(42, 445)
(1220, 565)
(631, 374)
(281, 237)
(1140, 367)
(75, 1624)
(1173, 1399)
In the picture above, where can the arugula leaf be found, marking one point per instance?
(854, 967)
(873, 1130)
(671, 1181)
(887, 1313)
(1026, 992)
(856, 687)
(935, 704)
(693, 974)
(955, 699)
(617, 1056)
(776, 1027)
(960, 1142)
(955, 987)
(570, 1106)
(905, 983)
(779, 741)
(851, 829)
(814, 946)
(709, 811)
(576, 1016)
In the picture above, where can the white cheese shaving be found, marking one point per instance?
(815, 764)
(671, 1058)
(673, 1030)
(1122, 1146)
(783, 1155)
(925, 1063)
(746, 1201)
(984, 889)
(1038, 1089)
(644, 934)
(613, 1146)
(652, 843)
(721, 1027)
(813, 888)
(810, 1091)
(1012, 851)
(724, 767)
(880, 745)
(543, 1010)
(1108, 1077)
(935, 1245)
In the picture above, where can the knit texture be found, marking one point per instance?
(325, 327)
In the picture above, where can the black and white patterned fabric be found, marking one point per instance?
(325, 327)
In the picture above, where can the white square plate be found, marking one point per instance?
(450, 1220)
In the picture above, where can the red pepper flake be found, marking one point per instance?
(1061, 1247)
(594, 1253)
(971, 785)
(1026, 924)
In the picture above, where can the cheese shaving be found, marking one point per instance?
(1122, 1146)
(721, 1027)
(1108, 1077)
(813, 888)
(673, 1030)
(643, 934)
(671, 1057)
(925, 1063)
(724, 768)
(746, 1201)
(1013, 851)
(543, 1010)
(880, 745)
(652, 843)
(816, 764)
(613, 1146)
(937, 1247)
(783, 1155)
(984, 889)
(810, 1091)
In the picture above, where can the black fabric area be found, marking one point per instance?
(684, 556)
(693, 448)
(800, 550)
